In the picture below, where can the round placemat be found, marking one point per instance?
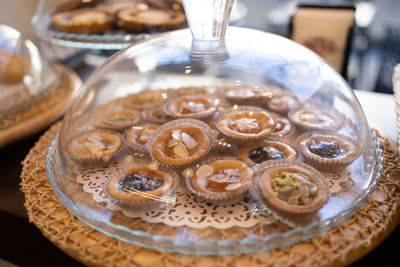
(43, 113)
(340, 246)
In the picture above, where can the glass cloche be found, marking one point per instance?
(24, 74)
(204, 142)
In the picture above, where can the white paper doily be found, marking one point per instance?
(190, 210)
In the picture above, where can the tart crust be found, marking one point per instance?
(287, 150)
(315, 119)
(82, 21)
(132, 137)
(269, 171)
(137, 197)
(105, 121)
(207, 189)
(351, 150)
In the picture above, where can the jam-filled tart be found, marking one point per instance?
(316, 119)
(137, 137)
(136, 20)
(94, 147)
(141, 186)
(221, 179)
(117, 120)
(82, 21)
(144, 100)
(293, 187)
(245, 124)
(328, 151)
(195, 106)
(267, 150)
(181, 142)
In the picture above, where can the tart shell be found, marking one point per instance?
(172, 107)
(135, 115)
(335, 121)
(130, 137)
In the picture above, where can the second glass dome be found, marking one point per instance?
(233, 145)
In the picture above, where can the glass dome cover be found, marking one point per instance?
(24, 73)
(179, 142)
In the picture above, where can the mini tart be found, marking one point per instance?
(283, 102)
(157, 114)
(137, 137)
(317, 189)
(247, 94)
(181, 142)
(188, 91)
(144, 100)
(221, 179)
(283, 129)
(94, 147)
(82, 21)
(196, 107)
(265, 151)
(140, 186)
(244, 124)
(328, 151)
(135, 20)
(315, 119)
(117, 120)
(113, 7)
(13, 67)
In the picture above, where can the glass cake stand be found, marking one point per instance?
(223, 72)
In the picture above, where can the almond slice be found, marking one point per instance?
(233, 187)
(181, 151)
(172, 142)
(205, 171)
(189, 141)
(177, 135)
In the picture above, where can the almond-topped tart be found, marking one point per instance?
(283, 102)
(82, 21)
(293, 187)
(245, 123)
(253, 95)
(136, 20)
(144, 100)
(221, 179)
(316, 119)
(94, 147)
(112, 7)
(156, 114)
(138, 136)
(283, 129)
(188, 91)
(117, 120)
(328, 151)
(267, 150)
(141, 186)
(181, 142)
(196, 107)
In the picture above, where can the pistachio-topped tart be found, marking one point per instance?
(140, 186)
(144, 100)
(315, 119)
(137, 137)
(221, 179)
(181, 142)
(293, 187)
(195, 106)
(328, 151)
(117, 120)
(94, 147)
(246, 123)
(267, 150)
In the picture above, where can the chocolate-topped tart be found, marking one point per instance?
(144, 100)
(82, 21)
(195, 106)
(137, 137)
(328, 151)
(141, 186)
(293, 187)
(118, 120)
(156, 114)
(283, 102)
(181, 142)
(316, 119)
(267, 150)
(94, 147)
(245, 123)
(221, 179)
(136, 20)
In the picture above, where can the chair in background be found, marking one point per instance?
(327, 30)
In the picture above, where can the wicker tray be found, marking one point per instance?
(340, 246)
(43, 113)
